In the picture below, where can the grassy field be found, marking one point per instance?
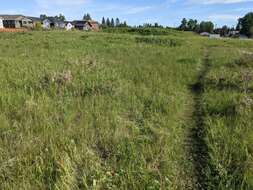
(125, 111)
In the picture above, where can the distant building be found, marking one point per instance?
(46, 24)
(234, 33)
(94, 25)
(16, 21)
(52, 22)
(86, 25)
(214, 36)
(205, 34)
(69, 26)
(1, 23)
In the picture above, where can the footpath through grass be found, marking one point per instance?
(221, 139)
(124, 111)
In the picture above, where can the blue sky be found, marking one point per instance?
(135, 12)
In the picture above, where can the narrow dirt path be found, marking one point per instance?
(196, 140)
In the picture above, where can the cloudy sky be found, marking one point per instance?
(166, 12)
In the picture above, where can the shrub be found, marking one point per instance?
(158, 41)
(38, 26)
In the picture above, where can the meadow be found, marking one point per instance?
(125, 110)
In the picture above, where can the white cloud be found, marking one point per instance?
(219, 1)
(223, 17)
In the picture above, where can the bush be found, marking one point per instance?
(38, 26)
(141, 31)
(158, 41)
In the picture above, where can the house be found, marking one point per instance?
(52, 22)
(205, 34)
(86, 25)
(94, 25)
(69, 26)
(1, 23)
(16, 21)
(46, 24)
(234, 33)
(214, 36)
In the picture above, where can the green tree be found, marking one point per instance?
(43, 17)
(245, 24)
(206, 27)
(197, 28)
(192, 24)
(224, 30)
(117, 23)
(108, 22)
(87, 17)
(60, 17)
(103, 21)
(251, 31)
(183, 25)
(112, 22)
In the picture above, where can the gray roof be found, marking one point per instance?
(37, 19)
(11, 17)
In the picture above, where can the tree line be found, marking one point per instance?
(193, 25)
(63, 18)
(59, 17)
(244, 26)
(110, 22)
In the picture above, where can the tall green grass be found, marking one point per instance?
(228, 101)
(93, 111)
(108, 111)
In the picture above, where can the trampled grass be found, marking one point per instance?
(113, 111)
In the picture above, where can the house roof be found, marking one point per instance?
(68, 22)
(82, 22)
(204, 33)
(34, 18)
(93, 22)
(12, 17)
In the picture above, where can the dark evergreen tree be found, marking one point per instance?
(108, 22)
(117, 22)
(112, 22)
(103, 21)
(87, 17)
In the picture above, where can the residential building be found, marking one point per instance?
(16, 21)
